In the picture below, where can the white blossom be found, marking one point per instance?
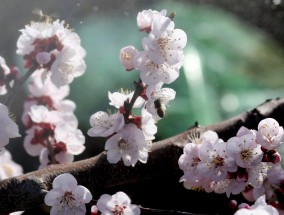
(260, 207)
(165, 44)
(104, 125)
(8, 128)
(152, 73)
(117, 204)
(127, 57)
(67, 197)
(146, 18)
(247, 152)
(215, 160)
(270, 134)
(128, 144)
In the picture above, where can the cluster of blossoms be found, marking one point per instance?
(56, 55)
(53, 47)
(67, 197)
(241, 163)
(130, 136)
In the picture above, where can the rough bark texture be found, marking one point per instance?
(147, 184)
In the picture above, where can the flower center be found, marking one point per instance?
(123, 144)
(246, 154)
(163, 42)
(118, 210)
(218, 161)
(67, 198)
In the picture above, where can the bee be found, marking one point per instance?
(47, 18)
(160, 108)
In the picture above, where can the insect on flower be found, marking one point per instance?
(159, 107)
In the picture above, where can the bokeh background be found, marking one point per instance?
(234, 59)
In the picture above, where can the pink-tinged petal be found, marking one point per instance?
(105, 203)
(82, 194)
(53, 197)
(113, 156)
(65, 182)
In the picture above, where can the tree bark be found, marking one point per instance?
(154, 184)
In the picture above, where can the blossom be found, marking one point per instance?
(215, 160)
(148, 126)
(127, 57)
(8, 168)
(104, 125)
(146, 18)
(129, 144)
(9, 128)
(259, 207)
(270, 134)
(117, 204)
(247, 152)
(152, 73)
(7, 75)
(68, 65)
(158, 100)
(164, 43)
(67, 197)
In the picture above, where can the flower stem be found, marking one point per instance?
(12, 92)
(139, 87)
(51, 152)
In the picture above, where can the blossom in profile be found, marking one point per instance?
(117, 204)
(8, 168)
(146, 18)
(67, 197)
(8, 128)
(260, 207)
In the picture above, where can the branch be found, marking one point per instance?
(153, 185)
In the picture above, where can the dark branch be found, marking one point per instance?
(100, 177)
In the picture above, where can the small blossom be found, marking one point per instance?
(9, 128)
(270, 134)
(165, 44)
(104, 125)
(146, 18)
(117, 204)
(260, 207)
(152, 73)
(67, 197)
(127, 57)
(129, 144)
(215, 160)
(247, 152)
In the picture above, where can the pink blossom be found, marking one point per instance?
(127, 57)
(117, 204)
(270, 134)
(67, 197)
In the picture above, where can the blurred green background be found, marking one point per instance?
(230, 66)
